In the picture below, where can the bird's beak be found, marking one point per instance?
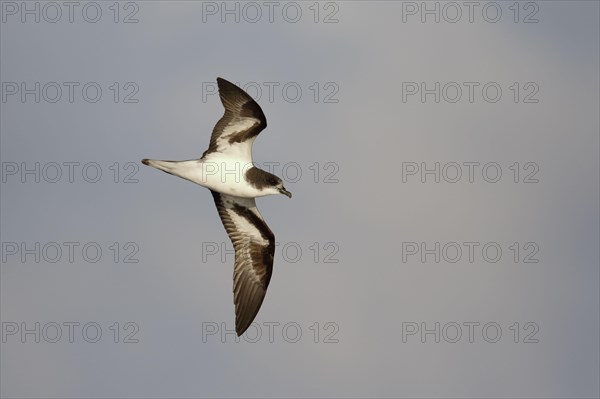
(285, 192)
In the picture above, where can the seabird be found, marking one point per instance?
(227, 170)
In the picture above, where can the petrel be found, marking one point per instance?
(227, 170)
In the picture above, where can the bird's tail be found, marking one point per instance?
(165, 166)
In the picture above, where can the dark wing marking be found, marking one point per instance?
(243, 119)
(254, 245)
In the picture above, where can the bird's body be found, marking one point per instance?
(221, 174)
(226, 169)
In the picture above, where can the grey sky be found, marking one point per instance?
(360, 136)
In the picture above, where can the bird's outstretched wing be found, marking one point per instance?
(242, 122)
(254, 245)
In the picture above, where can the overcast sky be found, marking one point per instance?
(442, 239)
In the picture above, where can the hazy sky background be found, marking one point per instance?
(359, 212)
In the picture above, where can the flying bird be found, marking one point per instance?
(227, 170)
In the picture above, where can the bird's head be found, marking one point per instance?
(276, 184)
